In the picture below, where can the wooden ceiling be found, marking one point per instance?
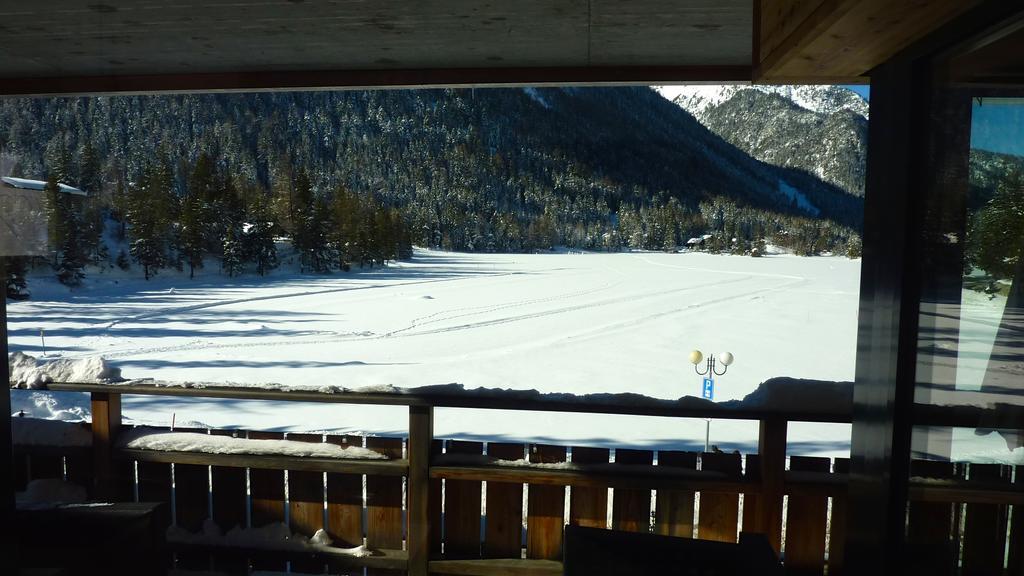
(114, 46)
(293, 41)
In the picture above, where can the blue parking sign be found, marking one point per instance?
(709, 389)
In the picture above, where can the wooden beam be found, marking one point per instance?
(10, 549)
(632, 477)
(106, 424)
(772, 469)
(453, 398)
(497, 567)
(372, 79)
(421, 436)
(822, 41)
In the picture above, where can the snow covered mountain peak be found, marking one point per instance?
(697, 99)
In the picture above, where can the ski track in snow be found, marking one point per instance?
(576, 323)
(164, 312)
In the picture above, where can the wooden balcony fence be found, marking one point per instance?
(477, 522)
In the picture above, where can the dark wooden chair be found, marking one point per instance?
(599, 552)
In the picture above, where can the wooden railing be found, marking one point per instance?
(433, 522)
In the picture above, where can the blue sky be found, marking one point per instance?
(863, 90)
(998, 126)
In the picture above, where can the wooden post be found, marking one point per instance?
(421, 434)
(771, 447)
(7, 481)
(106, 424)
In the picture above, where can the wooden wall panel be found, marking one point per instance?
(462, 500)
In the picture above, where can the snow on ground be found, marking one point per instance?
(160, 440)
(577, 323)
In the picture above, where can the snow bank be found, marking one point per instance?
(50, 491)
(270, 537)
(67, 406)
(39, 432)
(161, 441)
(28, 372)
(798, 395)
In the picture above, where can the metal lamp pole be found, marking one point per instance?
(708, 388)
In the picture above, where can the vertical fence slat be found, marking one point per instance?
(44, 466)
(305, 494)
(588, 506)
(752, 508)
(434, 503)
(837, 524)
(1015, 565)
(806, 522)
(81, 469)
(545, 509)
(985, 526)
(191, 497)
(345, 501)
(384, 499)
(462, 508)
(228, 487)
(191, 494)
(266, 489)
(20, 463)
(631, 509)
(504, 530)
(719, 513)
(674, 509)
(306, 506)
(155, 482)
(930, 525)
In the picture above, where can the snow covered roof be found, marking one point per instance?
(26, 184)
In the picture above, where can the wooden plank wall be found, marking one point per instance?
(546, 509)
(503, 537)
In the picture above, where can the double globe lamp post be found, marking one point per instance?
(710, 370)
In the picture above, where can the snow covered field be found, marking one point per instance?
(553, 322)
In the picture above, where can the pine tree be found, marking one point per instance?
(192, 233)
(149, 218)
(233, 258)
(16, 268)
